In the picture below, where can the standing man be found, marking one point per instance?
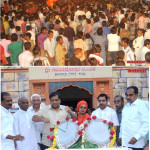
(104, 112)
(119, 103)
(49, 47)
(70, 34)
(50, 115)
(23, 125)
(26, 57)
(60, 51)
(36, 101)
(8, 140)
(135, 122)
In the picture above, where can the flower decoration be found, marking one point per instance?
(112, 132)
(74, 120)
(85, 125)
(94, 117)
(110, 123)
(52, 138)
(48, 136)
(80, 132)
(67, 118)
(78, 123)
(104, 121)
(58, 122)
(89, 118)
(51, 129)
(113, 137)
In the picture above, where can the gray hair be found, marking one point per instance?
(35, 95)
(19, 99)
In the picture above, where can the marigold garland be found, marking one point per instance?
(114, 138)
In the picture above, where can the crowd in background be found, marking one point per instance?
(75, 33)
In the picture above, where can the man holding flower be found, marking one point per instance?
(52, 115)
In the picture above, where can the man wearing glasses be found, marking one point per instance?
(135, 122)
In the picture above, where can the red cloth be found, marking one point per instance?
(5, 8)
(81, 119)
(81, 103)
(2, 53)
(98, 57)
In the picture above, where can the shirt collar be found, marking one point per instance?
(136, 102)
(4, 109)
(103, 109)
(61, 107)
(127, 49)
(31, 107)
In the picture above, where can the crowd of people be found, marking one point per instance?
(28, 128)
(75, 33)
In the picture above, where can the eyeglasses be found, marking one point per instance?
(129, 94)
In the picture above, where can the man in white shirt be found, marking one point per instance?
(138, 44)
(104, 112)
(26, 57)
(36, 101)
(29, 29)
(113, 45)
(8, 140)
(147, 33)
(79, 12)
(129, 54)
(121, 16)
(145, 49)
(49, 47)
(135, 121)
(23, 125)
(79, 43)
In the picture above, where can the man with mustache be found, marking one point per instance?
(104, 112)
(119, 103)
(8, 140)
(135, 122)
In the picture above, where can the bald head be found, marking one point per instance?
(23, 103)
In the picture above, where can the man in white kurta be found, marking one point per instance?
(7, 133)
(135, 121)
(145, 49)
(138, 44)
(104, 112)
(36, 101)
(23, 125)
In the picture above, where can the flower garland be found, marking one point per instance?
(53, 138)
(83, 137)
(110, 127)
(114, 137)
